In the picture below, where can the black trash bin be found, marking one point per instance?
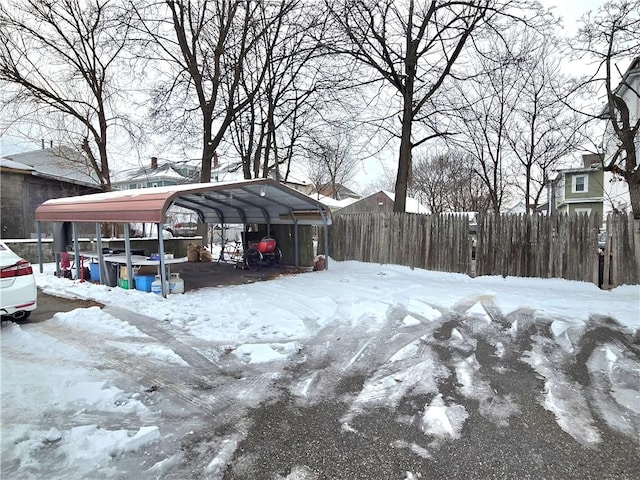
(110, 271)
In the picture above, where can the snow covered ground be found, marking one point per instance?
(148, 387)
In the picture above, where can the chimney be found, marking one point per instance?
(216, 162)
(154, 162)
(592, 160)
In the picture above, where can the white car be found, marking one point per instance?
(18, 291)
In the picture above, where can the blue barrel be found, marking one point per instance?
(94, 269)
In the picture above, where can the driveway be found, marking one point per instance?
(49, 305)
(416, 392)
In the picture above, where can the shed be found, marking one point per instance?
(259, 201)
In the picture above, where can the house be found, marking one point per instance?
(30, 178)
(340, 192)
(169, 173)
(333, 204)
(181, 221)
(579, 190)
(381, 201)
(156, 175)
(617, 196)
(518, 209)
(629, 91)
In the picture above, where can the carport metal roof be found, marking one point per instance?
(262, 201)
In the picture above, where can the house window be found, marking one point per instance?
(586, 211)
(580, 183)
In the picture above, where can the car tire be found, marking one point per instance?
(21, 315)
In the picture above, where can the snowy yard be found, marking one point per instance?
(361, 371)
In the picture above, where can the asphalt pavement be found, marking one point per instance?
(507, 434)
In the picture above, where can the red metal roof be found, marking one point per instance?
(250, 201)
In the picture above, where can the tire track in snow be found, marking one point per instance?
(201, 384)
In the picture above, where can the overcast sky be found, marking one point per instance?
(569, 10)
(572, 10)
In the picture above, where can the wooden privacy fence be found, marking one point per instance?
(559, 246)
(432, 242)
(619, 260)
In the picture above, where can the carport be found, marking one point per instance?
(259, 201)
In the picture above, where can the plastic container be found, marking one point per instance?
(176, 284)
(156, 285)
(94, 269)
(143, 282)
(124, 283)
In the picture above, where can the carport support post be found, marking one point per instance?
(326, 240)
(296, 249)
(101, 263)
(163, 271)
(39, 231)
(76, 248)
(127, 249)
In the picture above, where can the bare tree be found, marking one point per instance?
(446, 182)
(62, 57)
(385, 181)
(487, 106)
(209, 47)
(330, 162)
(318, 175)
(267, 134)
(542, 130)
(610, 39)
(412, 47)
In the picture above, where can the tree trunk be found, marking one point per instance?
(404, 160)
(207, 148)
(527, 188)
(634, 195)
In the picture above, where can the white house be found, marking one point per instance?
(616, 195)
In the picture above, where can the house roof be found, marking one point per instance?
(250, 201)
(341, 192)
(570, 171)
(12, 165)
(61, 163)
(411, 206)
(364, 204)
(332, 203)
(164, 171)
